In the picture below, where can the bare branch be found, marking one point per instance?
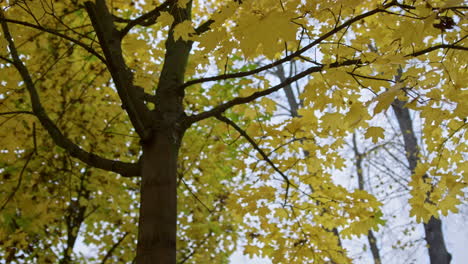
(123, 168)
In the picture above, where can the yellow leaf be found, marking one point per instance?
(210, 39)
(165, 19)
(184, 30)
(357, 113)
(333, 120)
(134, 45)
(250, 112)
(182, 3)
(270, 105)
(251, 250)
(375, 133)
(385, 99)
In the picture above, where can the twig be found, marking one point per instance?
(260, 151)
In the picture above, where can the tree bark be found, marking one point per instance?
(158, 209)
(157, 230)
(438, 253)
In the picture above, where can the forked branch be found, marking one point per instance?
(109, 39)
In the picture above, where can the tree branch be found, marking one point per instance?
(258, 149)
(294, 54)
(112, 249)
(204, 27)
(242, 100)
(20, 179)
(53, 32)
(109, 39)
(17, 113)
(196, 197)
(441, 46)
(147, 19)
(123, 168)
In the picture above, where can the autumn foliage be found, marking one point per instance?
(105, 102)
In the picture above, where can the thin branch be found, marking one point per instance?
(195, 196)
(17, 113)
(371, 77)
(112, 249)
(6, 59)
(292, 55)
(53, 32)
(123, 168)
(441, 46)
(20, 179)
(259, 150)
(188, 256)
(370, 235)
(147, 19)
(204, 27)
(242, 100)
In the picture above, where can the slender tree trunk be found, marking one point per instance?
(288, 91)
(294, 108)
(438, 253)
(370, 235)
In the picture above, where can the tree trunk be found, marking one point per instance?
(438, 253)
(288, 91)
(370, 235)
(158, 212)
(157, 230)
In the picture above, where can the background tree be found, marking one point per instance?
(72, 66)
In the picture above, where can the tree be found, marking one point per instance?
(70, 65)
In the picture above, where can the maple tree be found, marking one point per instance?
(117, 114)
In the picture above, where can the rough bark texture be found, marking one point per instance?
(158, 208)
(157, 231)
(438, 253)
